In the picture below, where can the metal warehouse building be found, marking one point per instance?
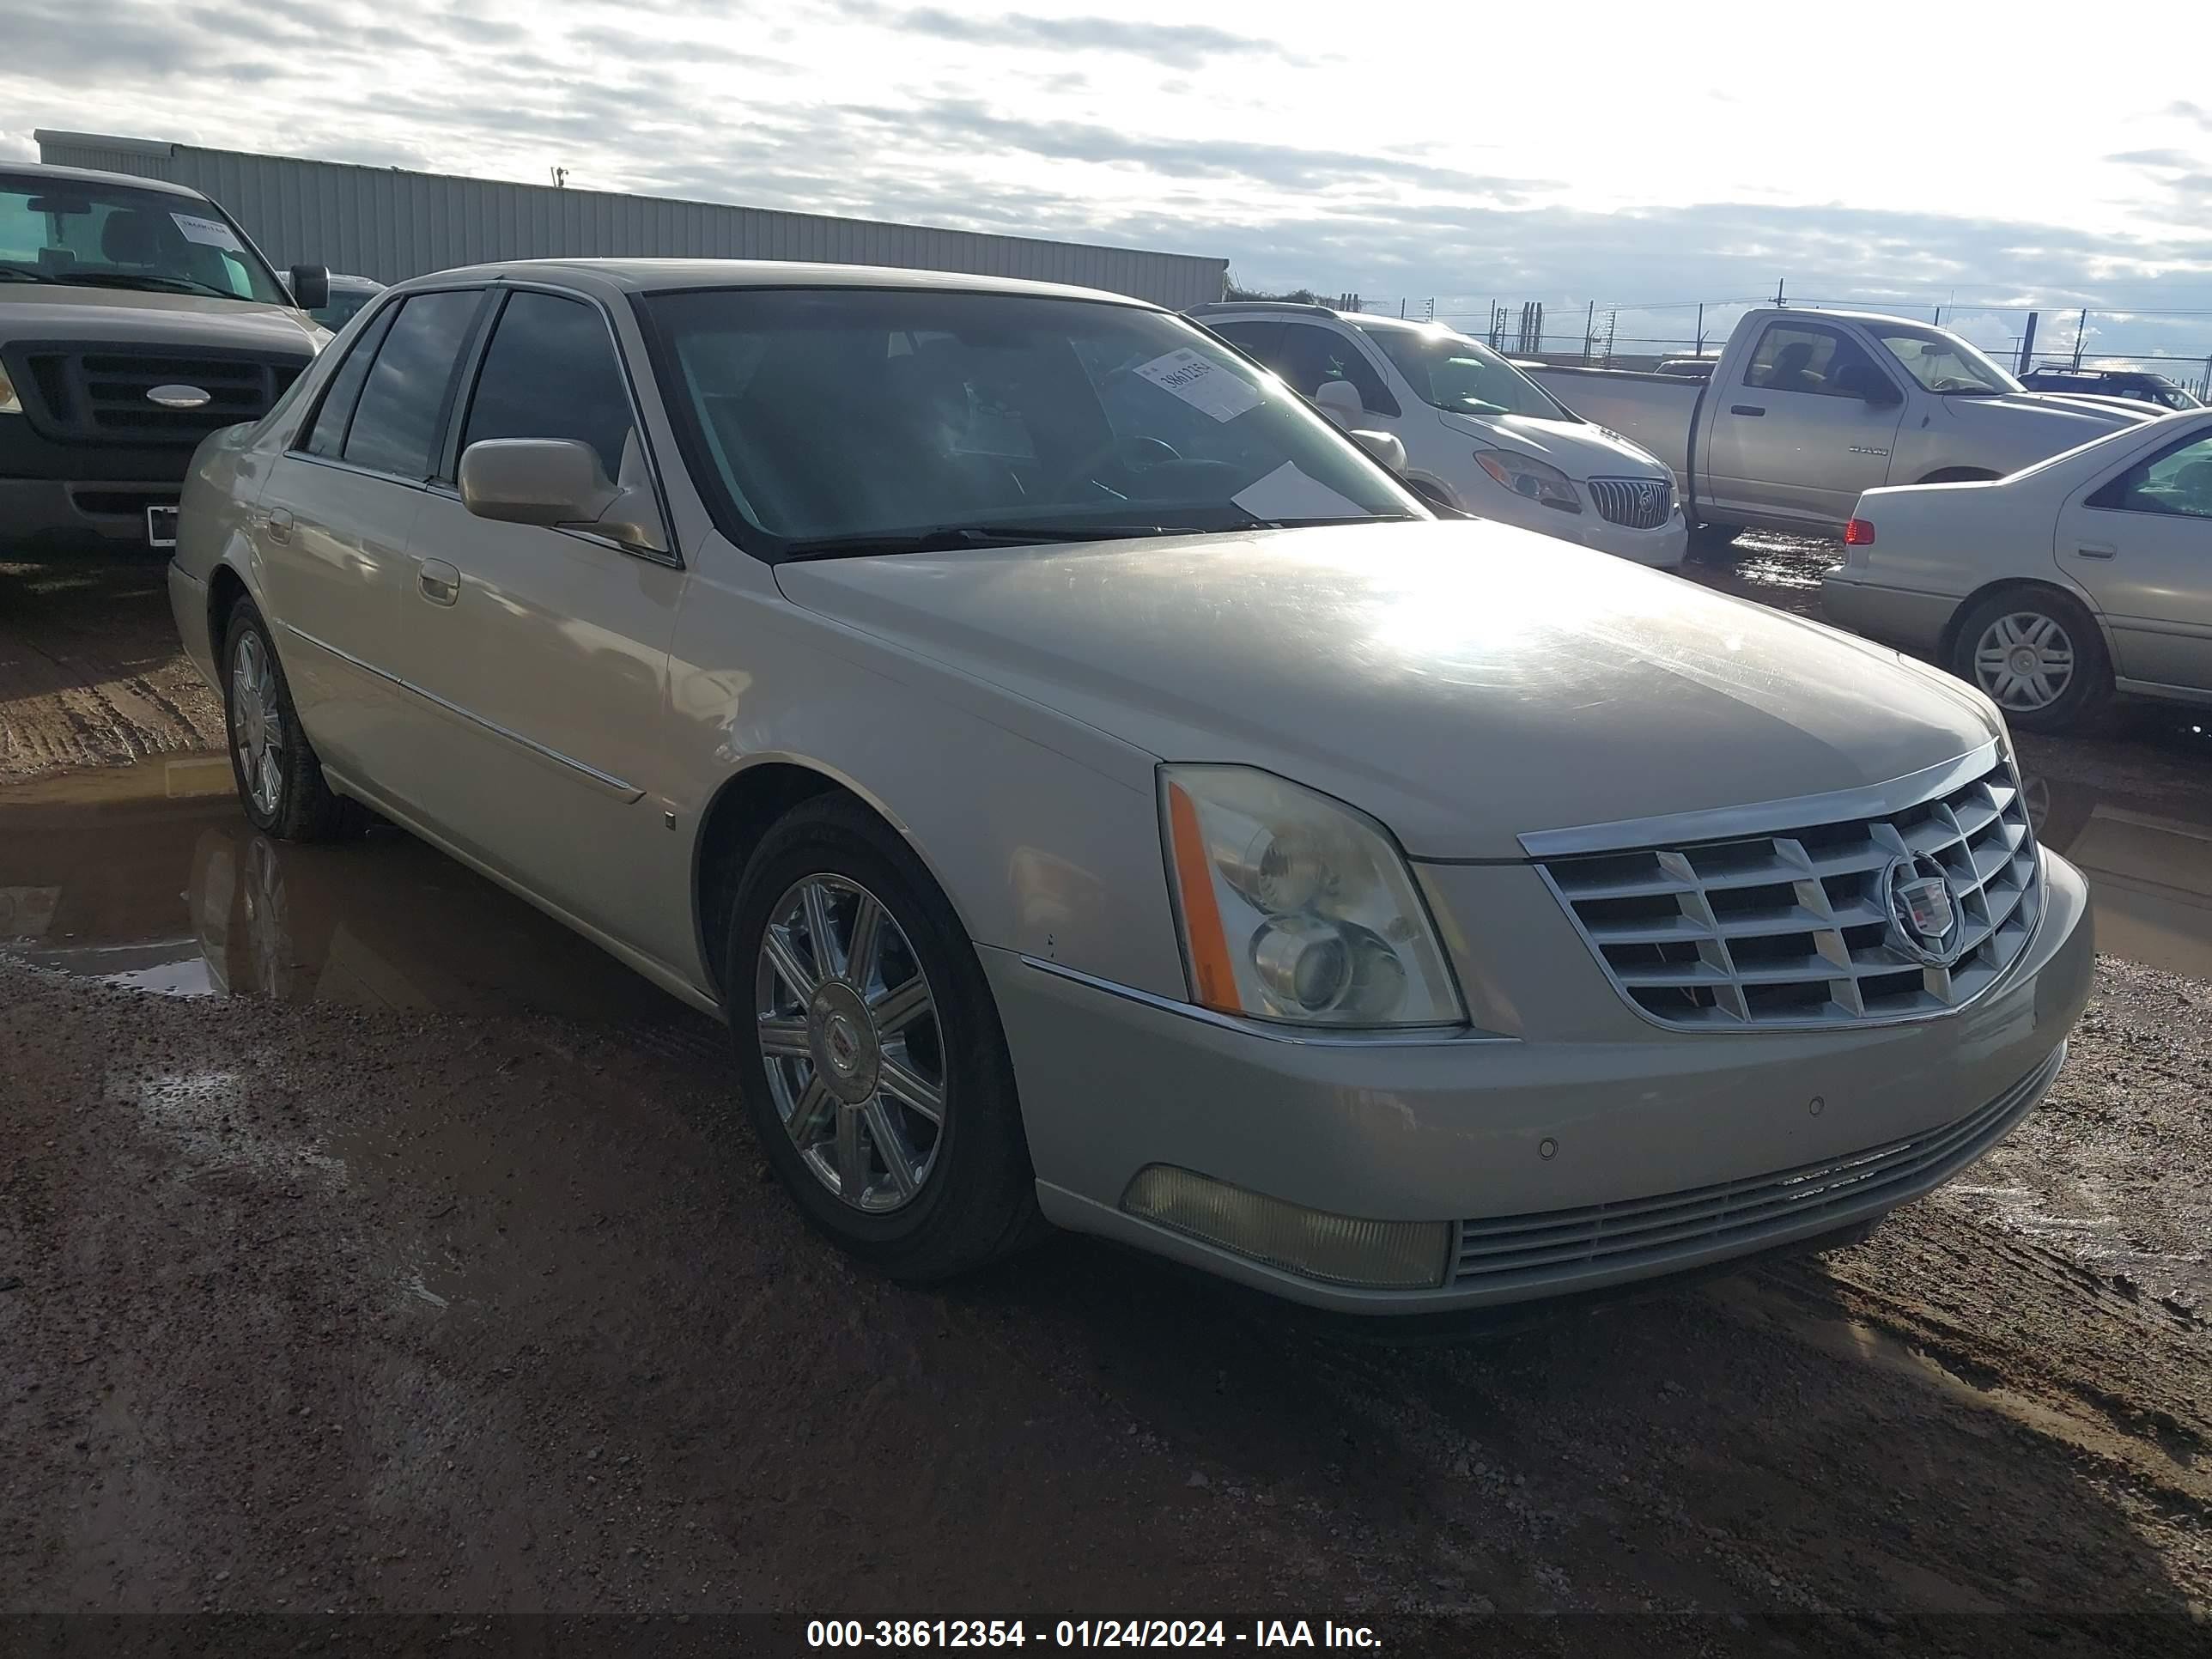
(389, 224)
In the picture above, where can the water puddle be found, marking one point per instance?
(2150, 866)
(150, 876)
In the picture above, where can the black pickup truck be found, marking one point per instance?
(135, 318)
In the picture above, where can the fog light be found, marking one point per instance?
(1379, 1255)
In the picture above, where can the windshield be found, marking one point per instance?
(1450, 371)
(1941, 361)
(866, 415)
(96, 235)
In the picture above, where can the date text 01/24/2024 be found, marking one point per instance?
(1085, 1633)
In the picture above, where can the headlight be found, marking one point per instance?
(9, 403)
(1537, 481)
(1294, 906)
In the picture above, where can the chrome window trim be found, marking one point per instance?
(1763, 817)
(1425, 1036)
(391, 298)
(630, 793)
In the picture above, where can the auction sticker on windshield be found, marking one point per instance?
(1202, 384)
(209, 233)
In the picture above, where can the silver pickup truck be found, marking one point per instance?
(1806, 409)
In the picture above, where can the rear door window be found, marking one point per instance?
(403, 399)
(2176, 482)
(1311, 355)
(327, 436)
(1262, 340)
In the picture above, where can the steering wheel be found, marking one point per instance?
(1154, 452)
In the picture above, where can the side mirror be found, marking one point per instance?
(557, 483)
(1340, 401)
(311, 286)
(1385, 446)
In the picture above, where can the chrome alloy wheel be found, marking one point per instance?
(2025, 661)
(257, 722)
(850, 1041)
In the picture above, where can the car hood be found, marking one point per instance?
(32, 312)
(2034, 424)
(1465, 681)
(1580, 449)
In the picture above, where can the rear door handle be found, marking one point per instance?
(1745, 409)
(2097, 551)
(280, 522)
(440, 582)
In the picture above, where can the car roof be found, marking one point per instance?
(12, 171)
(664, 276)
(351, 284)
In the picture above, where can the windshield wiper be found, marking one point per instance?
(954, 538)
(153, 282)
(16, 273)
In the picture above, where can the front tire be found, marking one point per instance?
(2038, 656)
(869, 1049)
(280, 780)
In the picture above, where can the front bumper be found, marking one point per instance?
(1557, 1140)
(1661, 548)
(43, 513)
(82, 494)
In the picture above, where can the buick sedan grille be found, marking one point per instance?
(1633, 503)
(1826, 924)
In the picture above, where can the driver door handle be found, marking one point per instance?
(440, 582)
(1745, 409)
(2097, 551)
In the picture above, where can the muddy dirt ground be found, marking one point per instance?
(367, 1243)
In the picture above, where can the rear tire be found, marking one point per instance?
(280, 780)
(2038, 656)
(861, 1038)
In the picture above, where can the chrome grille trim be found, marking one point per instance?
(1787, 929)
(1634, 503)
(1499, 1251)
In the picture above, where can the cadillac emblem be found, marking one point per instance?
(1924, 917)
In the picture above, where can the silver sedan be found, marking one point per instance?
(2057, 589)
(1095, 793)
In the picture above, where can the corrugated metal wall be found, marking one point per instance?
(389, 224)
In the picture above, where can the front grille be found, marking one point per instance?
(98, 394)
(1795, 929)
(1500, 1251)
(1635, 503)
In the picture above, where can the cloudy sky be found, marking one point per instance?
(1642, 157)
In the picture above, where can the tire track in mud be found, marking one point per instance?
(91, 669)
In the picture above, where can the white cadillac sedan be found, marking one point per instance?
(1094, 792)
(2084, 576)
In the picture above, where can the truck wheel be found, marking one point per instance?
(869, 1051)
(2037, 655)
(280, 781)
